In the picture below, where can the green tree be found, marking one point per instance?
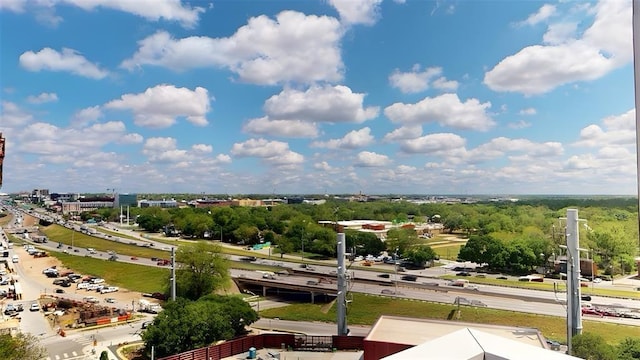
(186, 325)
(453, 223)
(246, 234)
(201, 269)
(400, 239)
(104, 355)
(592, 347)
(363, 242)
(153, 219)
(629, 349)
(21, 347)
(420, 255)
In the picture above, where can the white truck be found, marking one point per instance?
(149, 307)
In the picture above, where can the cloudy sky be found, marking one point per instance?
(327, 96)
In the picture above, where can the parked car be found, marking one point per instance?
(34, 307)
(9, 309)
(463, 273)
(59, 291)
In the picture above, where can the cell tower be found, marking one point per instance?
(1, 156)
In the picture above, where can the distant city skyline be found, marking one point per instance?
(314, 97)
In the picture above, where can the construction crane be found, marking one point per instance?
(1, 156)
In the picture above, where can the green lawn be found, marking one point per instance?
(57, 233)
(365, 310)
(133, 277)
(449, 252)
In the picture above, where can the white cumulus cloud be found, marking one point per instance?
(42, 98)
(357, 11)
(353, 140)
(418, 80)
(281, 128)
(537, 69)
(273, 152)
(446, 109)
(159, 106)
(172, 10)
(544, 13)
(404, 133)
(371, 159)
(333, 104)
(618, 130)
(440, 143)
(292, 48)
(68, 60)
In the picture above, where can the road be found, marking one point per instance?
(505, 298)
(532, 301)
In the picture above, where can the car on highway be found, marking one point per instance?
(591, 311)
(390, 292)
(409, 277)
(134, 258)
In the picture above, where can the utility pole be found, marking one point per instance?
(173, 273)
(636, 73)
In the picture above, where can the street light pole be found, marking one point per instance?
(302, 240)
(395, 266)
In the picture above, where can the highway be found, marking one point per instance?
(362, 281)
(370, 282)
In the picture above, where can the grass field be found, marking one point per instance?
(449, 252)
(57, 233)
(129, 276)
(365, 310)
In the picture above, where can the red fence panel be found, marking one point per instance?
(348, 342)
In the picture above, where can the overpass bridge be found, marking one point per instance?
(312, 285)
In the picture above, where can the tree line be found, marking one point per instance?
(526, 228)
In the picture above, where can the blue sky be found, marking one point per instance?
(331, 96)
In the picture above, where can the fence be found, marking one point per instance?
(275, 341)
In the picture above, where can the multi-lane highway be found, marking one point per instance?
(368, 281)
(428, 286)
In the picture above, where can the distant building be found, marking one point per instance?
(397, 338)
(248, 202)
(62, 197)
(39, 195)
(588, 268)
(126, 200)
(205, 203)
(158, 203)
(77, 207)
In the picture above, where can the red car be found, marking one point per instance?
(134, 258)
(590, 311)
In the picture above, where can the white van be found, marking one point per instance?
(15, 258)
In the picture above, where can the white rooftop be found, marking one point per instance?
(473, 344)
